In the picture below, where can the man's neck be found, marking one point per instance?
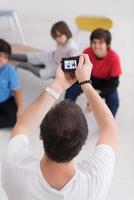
(57, 175)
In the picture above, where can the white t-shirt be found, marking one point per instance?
(22, 178)
(52, 59)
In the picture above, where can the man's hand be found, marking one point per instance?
(63, 80)
(83, 71)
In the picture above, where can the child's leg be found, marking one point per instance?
(19, 57)
(23, 58)
(35, 69)
(8, 110)
(73, 92)
(112, 101)
(43, 61)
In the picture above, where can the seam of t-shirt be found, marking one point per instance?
(106, 146)
(17, 137)
(103, 147)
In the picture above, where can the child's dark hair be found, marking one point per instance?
(5, 47)
(62, 28)
(101, 33)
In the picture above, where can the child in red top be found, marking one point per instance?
(106, 67)
(106, 70)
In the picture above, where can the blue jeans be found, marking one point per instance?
(112, 99)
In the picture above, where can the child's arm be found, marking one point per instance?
(19, 101)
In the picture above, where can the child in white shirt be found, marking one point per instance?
(43, 64)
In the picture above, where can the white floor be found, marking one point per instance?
(123, 182)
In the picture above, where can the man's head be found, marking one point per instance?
(5, 52)
(100, 41)
(61, 32)
(64, 131)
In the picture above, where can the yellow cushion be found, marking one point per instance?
(90, 23)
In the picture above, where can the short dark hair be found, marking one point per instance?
(61, 27)
(5, 47)
(101, 33)
(63, 131)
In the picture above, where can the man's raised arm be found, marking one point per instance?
(104, 117)
(34, 114)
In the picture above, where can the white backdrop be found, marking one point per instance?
(37, 16)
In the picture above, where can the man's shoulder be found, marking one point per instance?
(97, 171)
(102, 156)
(19, 152)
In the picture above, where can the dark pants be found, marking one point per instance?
(112, 99)
(8, 110)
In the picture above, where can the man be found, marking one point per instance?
(63, 131)
(106, 70)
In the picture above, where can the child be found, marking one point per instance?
(10, 89)
(43, 64)
(106, 70)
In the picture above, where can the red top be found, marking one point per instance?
(107, 67)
